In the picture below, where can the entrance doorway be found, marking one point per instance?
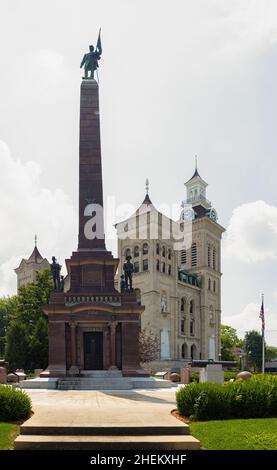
(93, 350)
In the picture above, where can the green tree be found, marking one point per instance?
(8, 305)
(27, 334)
(253, 348)
(270, 353)
(229, 340)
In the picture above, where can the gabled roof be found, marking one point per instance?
(35, 256)
(196, 175)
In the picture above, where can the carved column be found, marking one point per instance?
(113, 326)
(73, 369)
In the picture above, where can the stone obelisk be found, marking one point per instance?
(90, 171)
(92, 326)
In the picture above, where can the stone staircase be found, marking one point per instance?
(106, 438)
(95, 380)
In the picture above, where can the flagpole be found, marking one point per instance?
(263, 341)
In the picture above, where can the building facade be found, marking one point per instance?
(179, 285)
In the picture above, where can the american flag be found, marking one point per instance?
(262, 315)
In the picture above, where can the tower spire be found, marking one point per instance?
(196, 169)
(36, 241)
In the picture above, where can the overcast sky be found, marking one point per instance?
(177, 78)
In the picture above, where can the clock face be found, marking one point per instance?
(188, 215)
(213, 214)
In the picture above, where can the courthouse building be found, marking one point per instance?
(180, 288)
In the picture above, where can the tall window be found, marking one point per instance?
(145, 265)
(191, 327)
(164, 302)
(191, 307)
(136, 251)
(163, 251)
(157, 249)
(183, 304)
(158, 264)
(193, 352)
(183, 256)
(169, 269)
(163, 267)
(184, 351)
(183, 326)
(214, 286)
(214, 258)
(138, 296)
(209, 256)
(136, 267)
(193, 255)
(145, 249)
(169, 253)
(209, 284)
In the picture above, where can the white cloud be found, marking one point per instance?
(26, 209)
(251, 235)
(249, 319)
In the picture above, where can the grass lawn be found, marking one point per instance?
(237, 434)
(8, 433)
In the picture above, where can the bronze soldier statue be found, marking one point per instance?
(128, 269)
(56, 269)
(90, 60)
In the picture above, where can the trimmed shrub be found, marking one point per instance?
(254, 398)
(15, 404)
(194, 377)
(230, 375)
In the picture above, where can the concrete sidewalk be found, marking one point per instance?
(76, 419)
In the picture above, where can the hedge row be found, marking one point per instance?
(254, 398)
(14, 404)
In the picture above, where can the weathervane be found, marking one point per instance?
(147, 185)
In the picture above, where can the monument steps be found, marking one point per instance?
(104, 430)
(104, 442)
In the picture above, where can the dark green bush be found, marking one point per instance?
(254, 398)
(194, 377)
(230, 375)
(14, 404)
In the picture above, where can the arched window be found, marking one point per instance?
(214, 258)
(183, 304)
(163, 251)
(209, 284)
(193, 255)
(193, 352)
(136, 267)
(209, 256)
(145, 265)
(136, 251)
(145, 249)
(214, 286)
(191, 327)
(169, 253)
(138, 296)
(183, 256)
(169, 269)
(183, 326)
(184, 351)
(163, 302)
(191, 307)
(163, 267)
(158, 264)
(127, 252)
(157, 249)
